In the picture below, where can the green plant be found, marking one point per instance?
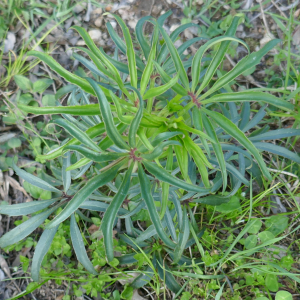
(154, 162)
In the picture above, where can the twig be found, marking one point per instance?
(279, 9)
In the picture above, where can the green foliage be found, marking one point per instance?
(170, 144)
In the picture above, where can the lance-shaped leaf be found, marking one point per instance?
(23, 230)
(149, 67)
(201, 167)
(250, 95)
(100, 206)
(147, 196)
(76, 110)
(93, 184)
(129, 51)
(218, 58)
(141, 38)
(166, 186)
(81, 136)
(183, 237)
(276, 134)
(196, 64)
(25, 208)
(154, 92)
(236, 133)
(93, 155)
(79, 248)
(41, 250)
(182, 160)
(176, 58)
(278, 150)
(111, 130)
(217, 148)
(134, 126)
(56, 67)
(36, 181)
(166, 275)
(111, 213)
(66, 175)
(166, 78)
(158, 150)
(242, 66)
(162, 175)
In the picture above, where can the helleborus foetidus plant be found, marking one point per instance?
(158, 139)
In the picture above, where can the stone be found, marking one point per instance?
(95, 34)
(98, 22)
(79, 8)
(132, 23)
(174, 27)
(9, 42)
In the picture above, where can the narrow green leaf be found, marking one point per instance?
(134, 126)
(213, 200)
(93, 155)
(162, 175)
(176, 58)
(25, 208)
(236, 133)
(250, 95)
(243, 65)
(217, 148)
(56, 67)
(78, 246)
(141, 38)
(276, 134)
(93, 184)
(66, 175)
(23, 230)
(183, 237)
(196, 64)
(40, 251)
(81, 136)
(111, 213)
(158, 150)
(111, 130)
(129, 51)
(154, 92)
(147, 196)
(34, 180)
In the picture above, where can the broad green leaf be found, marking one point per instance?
(255, 226)
(23, 230)
(266, 236)
(78, 246)
(271, 282)
(36, 181)
(23, 82)
(283, 295)
(41, 85)
(129, 51)
(242, 66)
(196, 64)
(250, 95)
(236, 133)
(154, 92)
(40, 251)
(81, 136)
(111, 213)
(93, 184)
(147, 196)
(25, 208)
(217, 148)
(176, 58)
(250, 242)
(162, 175)
(93, 155)
(56, 67)
(111, 130)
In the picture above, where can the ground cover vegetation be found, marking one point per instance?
(153, 170)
